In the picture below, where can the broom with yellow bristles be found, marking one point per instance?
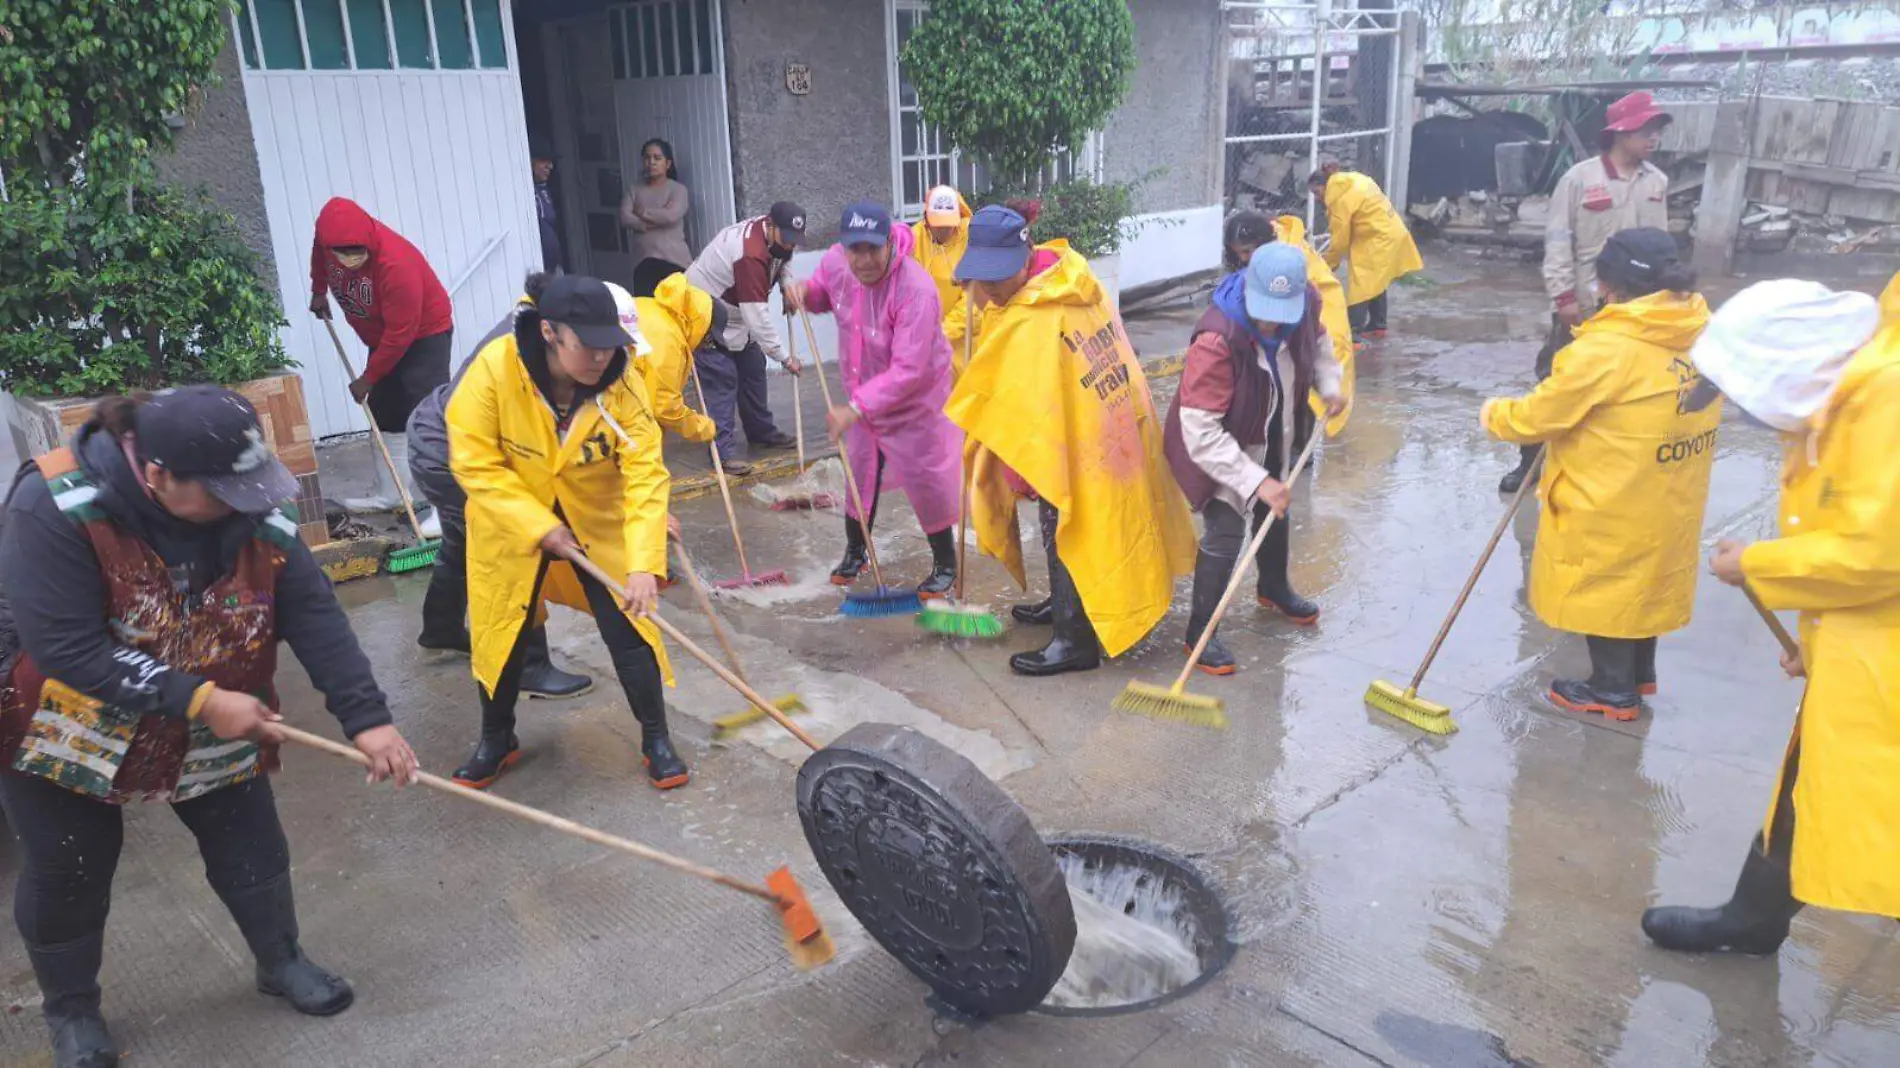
(1406, 704)
(1174, 702)
(790, 704)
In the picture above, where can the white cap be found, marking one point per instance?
(629, 317)
(943, 207)
(1779, 347)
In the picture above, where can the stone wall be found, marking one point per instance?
(215, 153)
(1171, 118)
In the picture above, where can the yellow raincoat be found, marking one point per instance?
(941, 262)
(1838, 562)
(1626, 470)
(674, 320)
(1890, 302)
(1367, 230)
(506, 454)
(1291, 230)
(1054, 392)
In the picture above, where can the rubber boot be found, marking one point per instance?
(445, 613)
(68, 974)
(539, 676)
(266, 914)
(495, 753)
(1074, 646)
(1514, 478)
(1039, 613)
(1755, 920)
(1274, 589)
(1646, 667)
(855, 555)
(1610, 691)
(1211, 575)
(665, 769)
(384, 497)
(943, 566)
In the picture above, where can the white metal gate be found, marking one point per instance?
(670, 82)
(1312, 82)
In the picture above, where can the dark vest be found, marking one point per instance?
(1248, 411)
(226, 635)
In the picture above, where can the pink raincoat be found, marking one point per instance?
(895, 362)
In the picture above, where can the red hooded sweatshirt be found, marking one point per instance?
(393, 299)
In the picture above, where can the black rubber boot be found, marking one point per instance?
(1754, 921)
(1611, 689)
(1040, 613)
(68, 975)
(855, 556)
(1646, 667)
(1274, 590)
(1074, 646)
(665, 769)
(444, 614)
(266, 914)
(1515, 477)
(539, 676)
(943, 566)
(494, 754)
(1211, 575)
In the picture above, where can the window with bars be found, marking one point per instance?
(662, 39)
(369, 35)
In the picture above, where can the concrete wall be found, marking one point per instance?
(823, 150)
(1172, 115)
(216, 153)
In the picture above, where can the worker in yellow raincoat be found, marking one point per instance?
(1890, 302)
(1629, 432)
(1819, 367)
(1055, 405)
(1368, 232)
(1246, 231)
(942, 235)
(671, 325)
(558, 450)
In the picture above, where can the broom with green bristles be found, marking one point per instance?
(423, 553)
(1406, 704)
(1174, 702)
(957, 617)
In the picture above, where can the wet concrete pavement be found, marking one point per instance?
(1398, 899)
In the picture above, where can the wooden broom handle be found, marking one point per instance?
(798, 410)
(725, 491)
(706, 606)
(536, 816)
(1788, 644)
(580, 560)
(969, 477)
(1240, 567)
(844, 455)
(402, 489)
(1497, 535)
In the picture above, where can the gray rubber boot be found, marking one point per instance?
(68, 976)
(266, 914)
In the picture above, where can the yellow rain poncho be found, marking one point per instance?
(1367, 230)
(1838, 562)
(673, 321)
(1291, 230)
(1054, 392)
(1626, 472)
(516, 469)
(1890, 302)
(941, 262)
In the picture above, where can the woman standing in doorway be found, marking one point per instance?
(654, 209)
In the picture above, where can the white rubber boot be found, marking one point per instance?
(385, 498)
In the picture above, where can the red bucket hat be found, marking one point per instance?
(1632, 113)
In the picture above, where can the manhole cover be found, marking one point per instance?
(940, 865)
(1150, 927)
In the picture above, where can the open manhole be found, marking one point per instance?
(1149, 927)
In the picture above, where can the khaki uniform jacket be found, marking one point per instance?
(1591, 202)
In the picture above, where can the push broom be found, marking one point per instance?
(1406, 704)
(1174, 702)
(746, 577)
(422, 553)
(790, 704)
(886, 601)
(957, 617)
(805, 937)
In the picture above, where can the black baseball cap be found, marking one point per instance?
(864, 223)
(210, 435)
(586, 306)
(1635, 258)
(790, 220)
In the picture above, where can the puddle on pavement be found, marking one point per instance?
(1148, 928)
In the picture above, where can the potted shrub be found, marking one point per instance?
(109, 281)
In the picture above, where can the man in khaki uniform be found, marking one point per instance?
(1618, 190)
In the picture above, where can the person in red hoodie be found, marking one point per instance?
(397, 305)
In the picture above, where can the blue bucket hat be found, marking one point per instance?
(1276, 284)
(999, 246)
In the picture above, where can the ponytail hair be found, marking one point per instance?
(118, 416)
(536, 284)
(1677, 277)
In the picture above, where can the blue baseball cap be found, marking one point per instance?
(864, 223)
(1276, 284)
(999, 246)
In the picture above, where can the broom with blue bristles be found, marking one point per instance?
(886, 601)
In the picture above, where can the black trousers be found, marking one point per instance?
(736, 396)
(633, 659)
(421, 369)
(1619, 665)
(1367, 315)
(70, 844)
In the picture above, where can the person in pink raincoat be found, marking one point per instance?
(895, 362)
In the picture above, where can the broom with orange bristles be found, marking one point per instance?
(805, 937)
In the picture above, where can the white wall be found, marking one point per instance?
(439, 156)
(1171, 244)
